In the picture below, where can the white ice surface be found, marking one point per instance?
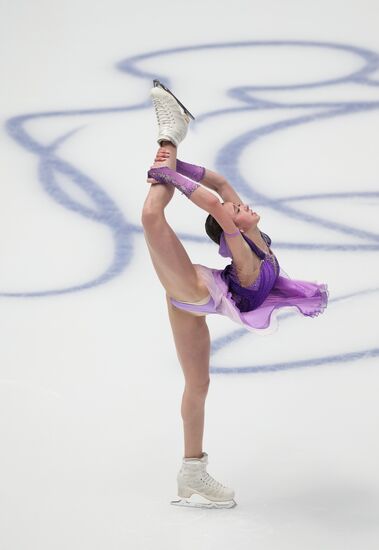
(90, 386)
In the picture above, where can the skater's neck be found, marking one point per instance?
(255, 235)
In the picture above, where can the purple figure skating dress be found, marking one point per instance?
(255, 307)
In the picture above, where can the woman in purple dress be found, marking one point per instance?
(249, 290)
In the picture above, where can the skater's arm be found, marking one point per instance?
(214, 181)
(247, 264)
(211, 204)
(197, 194)
(207, 201)
(218, 183)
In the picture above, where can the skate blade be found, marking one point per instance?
(158, 84)
(197, 501)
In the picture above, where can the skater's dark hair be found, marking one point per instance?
(213, 229)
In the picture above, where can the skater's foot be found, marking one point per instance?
(185, 110)
(163, 155)
(198, 489)
(172, 119)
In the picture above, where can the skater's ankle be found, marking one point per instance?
(165, 143)
(198, 455)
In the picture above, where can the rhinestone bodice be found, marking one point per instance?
(250, 297)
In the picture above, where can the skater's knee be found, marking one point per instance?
(197, 388)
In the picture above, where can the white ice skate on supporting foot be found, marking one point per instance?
(196, 488)
(173, 118)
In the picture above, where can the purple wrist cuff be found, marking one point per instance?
(191, 171)
(166, 175)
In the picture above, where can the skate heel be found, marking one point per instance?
(184, 492)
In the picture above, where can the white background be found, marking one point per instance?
(90, 384)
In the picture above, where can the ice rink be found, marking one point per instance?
(286, 99)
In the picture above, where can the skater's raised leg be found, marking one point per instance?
(170, 259)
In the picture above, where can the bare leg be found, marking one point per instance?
(194, 360)
(178, 276)
(170, 259)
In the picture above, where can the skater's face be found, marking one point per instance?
(242, 215)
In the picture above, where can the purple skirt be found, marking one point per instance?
(308, 298)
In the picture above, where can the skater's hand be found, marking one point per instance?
(152, 181)
(162, 155)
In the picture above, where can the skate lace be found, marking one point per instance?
(164, 115)
(211, 482)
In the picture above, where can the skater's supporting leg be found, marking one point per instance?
(192, 341)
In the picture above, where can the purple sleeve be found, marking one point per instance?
(166, 175)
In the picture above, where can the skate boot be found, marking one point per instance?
(158, 84)
(173, 118)
(196, 488)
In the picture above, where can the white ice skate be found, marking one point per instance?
(173, 118)
(196, 488)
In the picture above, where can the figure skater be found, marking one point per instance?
(249, 290)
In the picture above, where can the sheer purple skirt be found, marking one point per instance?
(308, 298)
